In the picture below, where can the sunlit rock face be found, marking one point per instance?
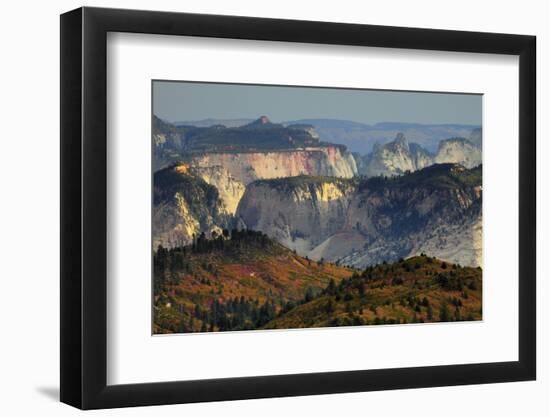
(184, 206)
(396, 158)
(229, 188)
(201, 174)
(299, 212)
(460, 151)
(231, 172)
(363, 222)
(399, 156)
(250, 166)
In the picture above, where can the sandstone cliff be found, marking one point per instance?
(396, 158)
(299, 212)
(231, 172)
(230, 189)
(184, 206)
(246, 167)
(436, 210)
(458, 150)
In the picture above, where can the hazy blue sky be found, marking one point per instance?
(184, 101)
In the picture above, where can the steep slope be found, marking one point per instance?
(396, 158)
(184, 205)
(460, 151)
(230, 173)
(230, 189)
(168, 143)
(419, 289)
(231, 158)
(476, 137)
(436, 210)
(233, 281)
(420, 156)
(250, 166)
(299, 212)
(174, 144)
(179, 143)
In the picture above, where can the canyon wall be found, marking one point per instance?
(359, 223)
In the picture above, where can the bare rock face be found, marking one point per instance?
(198, 187)
(436, 210)
(191, 207)
(460, 151)
(421, 157)
(230, 173)
(444, 222)
(184, 206)
(396, 158)
(174, 224)
(229, 188)
(298, 212)
(246, 167)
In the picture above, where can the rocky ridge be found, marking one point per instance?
(398, 156)
(435, 210)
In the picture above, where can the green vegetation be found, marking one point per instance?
(437, 176)
(238, 280)
(254, 137)
(242, 280)
(471, 177)
(416, 290)
(202, 199)
(288, 184)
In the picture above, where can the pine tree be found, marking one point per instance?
(331, 288)
(430, 312)
(444, 312)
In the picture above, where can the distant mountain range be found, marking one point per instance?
(361, 138)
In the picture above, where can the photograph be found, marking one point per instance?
(289, 207)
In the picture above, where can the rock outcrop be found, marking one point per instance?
(184, 205)
(299, 212)
(436, 210)
(460, 151)
(246, 167)
(230, 189)
(396, 158)
(188, 156)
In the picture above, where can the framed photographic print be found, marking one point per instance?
(257, 208)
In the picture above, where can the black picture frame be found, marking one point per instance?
(84, 207)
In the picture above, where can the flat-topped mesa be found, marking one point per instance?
(175, 144)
